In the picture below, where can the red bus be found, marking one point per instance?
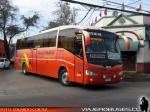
(72, 53)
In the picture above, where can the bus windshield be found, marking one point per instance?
(102, 42)
(103, 48)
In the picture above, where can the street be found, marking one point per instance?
(32, 90)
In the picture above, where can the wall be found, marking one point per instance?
(134, 23)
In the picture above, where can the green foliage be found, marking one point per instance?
(64, 15)
(8, 23)
(30, 21)
(52, 25)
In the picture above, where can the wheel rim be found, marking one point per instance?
(65, 77)
(24, 69)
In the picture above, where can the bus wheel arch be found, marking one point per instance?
(63, 76)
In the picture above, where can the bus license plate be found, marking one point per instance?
(108, 79)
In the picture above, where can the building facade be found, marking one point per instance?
(2, 51)
(136, 30)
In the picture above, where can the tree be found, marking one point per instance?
(51, 24)
(64, 15)
(8, 25)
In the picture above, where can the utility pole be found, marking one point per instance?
(74, 15)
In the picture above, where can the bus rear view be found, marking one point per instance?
(72, 54)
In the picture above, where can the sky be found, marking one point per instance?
(45, 8)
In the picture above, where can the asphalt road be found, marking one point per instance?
(21, 90)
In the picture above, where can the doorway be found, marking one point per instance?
(129, 60)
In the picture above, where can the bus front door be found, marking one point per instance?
(78, 60)
(78, 69)
(34, 60)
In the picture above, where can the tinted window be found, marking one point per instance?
(21, 43)
(1, 60)
(24, 43)
(66, 39)
(42, 40)
(18, 44)
(30, 43)
(38, 43)
(46, 40)
(78, 45)
(110, 41)
(52, 39)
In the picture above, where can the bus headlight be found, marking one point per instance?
(114, 76)
(104, 76)
(90, 73)
(120, 73)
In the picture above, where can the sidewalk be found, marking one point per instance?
(136, 77)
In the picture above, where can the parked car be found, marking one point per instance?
(4, 63)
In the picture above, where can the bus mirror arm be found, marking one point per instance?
(78, 32)
(87, 41)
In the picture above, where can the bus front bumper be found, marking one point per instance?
(104, 79)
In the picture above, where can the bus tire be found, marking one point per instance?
(24, 69)
(63, 77)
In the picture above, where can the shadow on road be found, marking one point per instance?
(98, 87)
(3, 69)
(43, 77)
(86, 87)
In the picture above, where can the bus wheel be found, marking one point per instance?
(24, 69)
(63, 77)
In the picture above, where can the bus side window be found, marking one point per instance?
(52, 39)
(66, 40)
(30, 43)
(18, 44)
(78, 45)
(46, 42)
(38, 43)
(23, 44)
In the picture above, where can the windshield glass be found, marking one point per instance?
(97, 44)
(102, 41)
(103, 49)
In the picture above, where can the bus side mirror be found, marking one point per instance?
(87, 41)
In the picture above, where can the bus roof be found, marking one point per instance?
(71, 26)
(67, 27)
